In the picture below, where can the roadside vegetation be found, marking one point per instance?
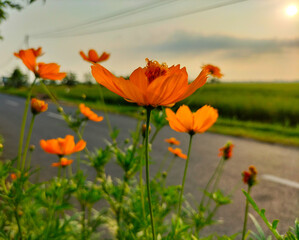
(266, 112)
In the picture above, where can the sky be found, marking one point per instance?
(250, 40)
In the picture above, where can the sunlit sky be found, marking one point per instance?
(253, 40)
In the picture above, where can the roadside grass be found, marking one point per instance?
(266, 112)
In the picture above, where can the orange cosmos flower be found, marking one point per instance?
(50, 71)
(186, 121)
(213, 70)
(13, 176)
(227, 151)
(93, 57)
(29, 57)
(177, 152)
(154, 85)
(249, 177)
(172, 141)
(62, 146)
(89, 114)
(63, 162)
(38, 106)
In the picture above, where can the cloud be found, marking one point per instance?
(184, 42)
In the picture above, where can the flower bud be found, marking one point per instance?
(143, 130)
(31, 148)
(38, 106)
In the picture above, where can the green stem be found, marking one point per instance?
(24, 124)
(141, 189)
(83, 221)
(171, 165)
(183, 182)
(27, 142)
(155, 134)
(163, 162)
(148, 116)
(209, 183)
(220, 170)
(105, 112)
(18, 222)
(246, 215)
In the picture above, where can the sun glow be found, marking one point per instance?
(291, 10)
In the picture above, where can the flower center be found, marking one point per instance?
(154, 70)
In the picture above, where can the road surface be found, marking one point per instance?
(278, 166)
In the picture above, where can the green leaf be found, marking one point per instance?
(274, 223)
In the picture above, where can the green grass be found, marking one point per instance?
(264, 111)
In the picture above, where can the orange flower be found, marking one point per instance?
(186, 121)
(29, 57)
(213, 70)
(50, 71)
(227, 151)
(62, 146)
(172, 141)
(249, 177)
(177, 152)
(38, 106)
(93, 57)
(63, 163)
(154, 85)
(89, 114)
(13, 176)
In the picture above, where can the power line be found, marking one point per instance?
(108, 18)
(154, 20)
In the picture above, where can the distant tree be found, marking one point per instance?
(4, 5)
(88, 79)
(70, 79)
(17, 79)
(215, 80)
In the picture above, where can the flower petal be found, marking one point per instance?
(174, 123)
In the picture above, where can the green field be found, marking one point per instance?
(263, 111)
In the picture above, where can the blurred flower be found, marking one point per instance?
(172, 141)
(43, 70)
(1, 146)
(227, 151)
(186, 121)
(63, 163)
(29, 57)
(50, 71)
(62, 146)
(249, 177)
(89, 114)
(213, 70)
(154, 85)
(13, 176)
(38, 106)
(93, 57)
(177, 152)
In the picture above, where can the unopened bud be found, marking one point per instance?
(31, 148)
(164, 174)
(144, 130)
(60, 109)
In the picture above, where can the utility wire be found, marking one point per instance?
(108, 18)
(153, 20)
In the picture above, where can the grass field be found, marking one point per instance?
(264, 111)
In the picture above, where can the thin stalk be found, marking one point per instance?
(141, 189)
(155, 134)
(171, 164)
(183, 181)
(105, 111)
(83, 222)
(217, 180)
(163, 162)
(18, 222)
(246, 214)
(209, 183)
(24, 124)
(70, 170)
(27, 142)
(29, 160)
(148, 116)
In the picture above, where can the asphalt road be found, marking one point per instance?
(278, 166)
